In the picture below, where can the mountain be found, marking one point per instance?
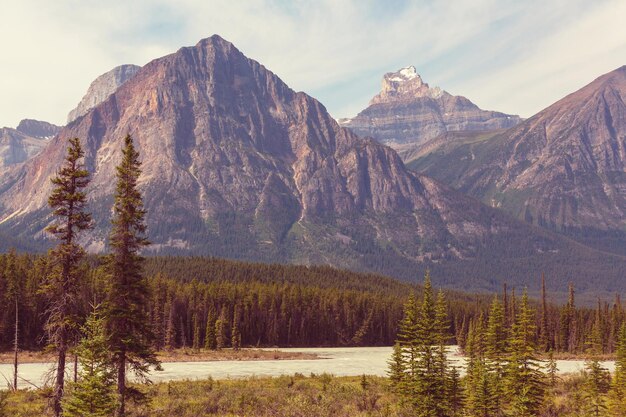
(407, 110)
(236, 164)
(101, 88)
(38, 129)
(564, 168)
(23, 143)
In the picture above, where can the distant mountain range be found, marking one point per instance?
(563, 169)
(407, 110)
(236, 164)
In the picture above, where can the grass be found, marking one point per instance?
(288, 396)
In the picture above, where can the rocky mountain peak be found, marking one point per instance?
(37, 128)
(101, 88)
(405, 84)
(408, 111)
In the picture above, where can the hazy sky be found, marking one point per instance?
(513, 56)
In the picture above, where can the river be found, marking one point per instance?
(335, 361)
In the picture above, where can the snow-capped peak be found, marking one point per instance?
(403, 74)
(408, 72)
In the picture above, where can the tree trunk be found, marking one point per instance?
(75, 367)
(15, 346)
(60, 380)
(121, 385)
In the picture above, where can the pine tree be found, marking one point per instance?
(597, 378)
(220, 331)
(170, 330)
(209, 338)
(545, 342)
(617, 394)
(552, 370)
(495, 353)
(196, 332)
(525, 380)
(131, 336)
(481, 400)
(455, 395)
(93, 394)
(68, 201)
(397, 368)
(235, 333)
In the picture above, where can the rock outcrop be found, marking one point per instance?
(407, 110)
(38, 129)
(101, 88)
(25, 142)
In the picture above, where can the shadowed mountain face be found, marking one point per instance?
(564, 168)
(407, 111)
(237, 164)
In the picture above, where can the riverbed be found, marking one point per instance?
(335, 361)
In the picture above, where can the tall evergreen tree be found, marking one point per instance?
(617, 395)
(93, 394)
(209, 338)
(496, 348)
(525, 380)
(130, 333)
(236, 331)
(69, 202)
(545, 342)
(597, 378)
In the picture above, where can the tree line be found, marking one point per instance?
(504, 374)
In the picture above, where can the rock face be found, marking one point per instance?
(25, 142)
(564, 168)
(101, 88)
(407, 110)
(38, 129)
(237, 164)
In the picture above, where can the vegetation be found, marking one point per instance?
(190, 303)
(130, 332)
(303, 396)
(62, 285)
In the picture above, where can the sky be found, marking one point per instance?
(507, 55)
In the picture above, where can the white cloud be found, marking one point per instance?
(505, 55)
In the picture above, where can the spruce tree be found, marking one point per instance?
(220, 331)
(69, 203)
(496, 352)
(209, 338)
(93, 394)
(397, 368)
(617, 394)
(597, 378)
(196, 332)
(525, 380)
(236, 332)
(131, 335)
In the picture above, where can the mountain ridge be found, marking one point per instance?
(237, 164)
(408, 111)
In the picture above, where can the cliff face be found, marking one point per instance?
(25, 142)
(237, 164)
(563, 168)
(38, 129)
(407, 110)
(101, 88)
